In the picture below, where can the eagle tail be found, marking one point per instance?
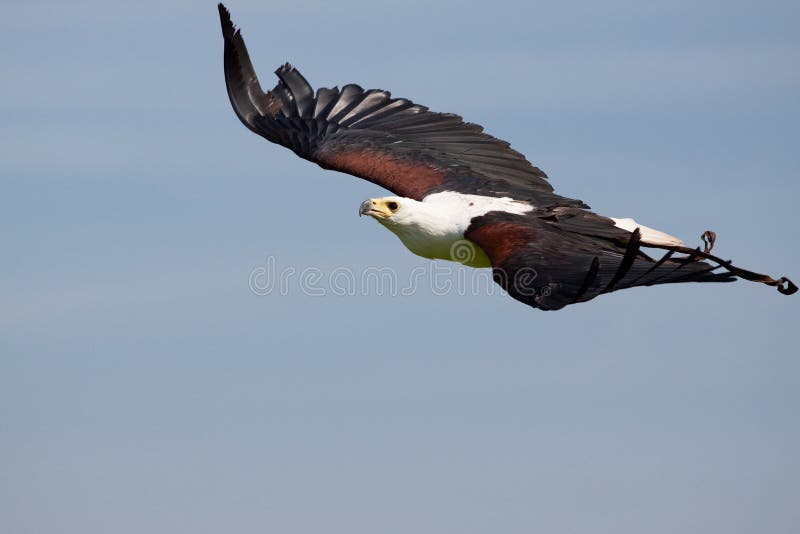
(684, 264)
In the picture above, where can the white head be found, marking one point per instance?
(426, 229)
(391, 211)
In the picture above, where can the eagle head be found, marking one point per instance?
(381, 209)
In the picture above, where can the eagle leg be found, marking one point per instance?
(709, 238)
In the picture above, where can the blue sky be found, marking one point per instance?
(144, 387)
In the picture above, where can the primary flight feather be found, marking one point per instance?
(463, 195)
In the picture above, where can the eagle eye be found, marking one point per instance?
(392, 206)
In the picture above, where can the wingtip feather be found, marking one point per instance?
(228, 28)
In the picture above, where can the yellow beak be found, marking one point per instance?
(375, 208)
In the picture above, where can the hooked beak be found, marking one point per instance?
(368, 207)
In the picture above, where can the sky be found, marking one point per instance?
(153, 381)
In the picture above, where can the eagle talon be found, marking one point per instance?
(709, 238)
(786, 286)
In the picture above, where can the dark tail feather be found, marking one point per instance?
(609, 273)
(668, 270)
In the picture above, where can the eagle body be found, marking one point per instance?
(461, 194)
(435, 228)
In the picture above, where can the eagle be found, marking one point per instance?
(463, 195)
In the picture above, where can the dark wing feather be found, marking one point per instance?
(392, 142)
(570, 256)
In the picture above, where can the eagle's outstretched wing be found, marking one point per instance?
(392, 142)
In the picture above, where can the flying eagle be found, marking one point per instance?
(462, 194)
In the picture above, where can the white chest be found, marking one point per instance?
(444, 246)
